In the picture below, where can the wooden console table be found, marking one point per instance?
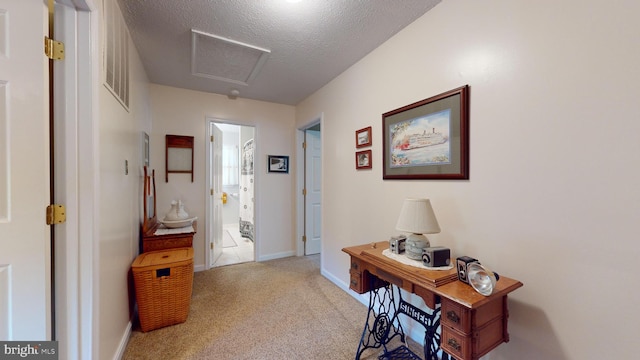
(472, 324)
(151, 242)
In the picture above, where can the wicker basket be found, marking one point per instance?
(163, 281)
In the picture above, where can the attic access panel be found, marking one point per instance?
(219, 58)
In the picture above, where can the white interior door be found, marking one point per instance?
(313, 181)
(215, 240)
(24, 172)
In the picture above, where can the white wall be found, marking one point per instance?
(120, 203)
(553, 197)
(184, 112)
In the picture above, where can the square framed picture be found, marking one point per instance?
(278, 164)
(363, 137)
(363, 159)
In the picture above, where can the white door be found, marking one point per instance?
(24, 172)
(215, 148)
(313, 181)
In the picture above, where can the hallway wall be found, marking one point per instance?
(120, 203)
(184, 112)
(553, 197)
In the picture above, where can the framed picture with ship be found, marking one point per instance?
(428, 139)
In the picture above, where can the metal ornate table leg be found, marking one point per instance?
(379, 328)
(431, 323)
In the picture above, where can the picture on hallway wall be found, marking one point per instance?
(278, 163)
(363, 137)
(428, 139)
(363, 159)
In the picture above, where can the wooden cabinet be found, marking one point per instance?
(362, 280)
(151, 242)
(471, 333)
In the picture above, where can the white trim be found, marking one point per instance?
(208, 211)
(5, 302)
(207, 190)
(76, 115)
(122, 346)
(276, 256)
(300, 174)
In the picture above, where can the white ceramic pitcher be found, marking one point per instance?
(176, 212)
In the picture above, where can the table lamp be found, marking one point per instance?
(417, 217)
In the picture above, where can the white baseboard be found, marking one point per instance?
(363, 298)
(199, 268)
(276, 256)
(123, 342)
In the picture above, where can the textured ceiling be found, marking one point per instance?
(305, 44)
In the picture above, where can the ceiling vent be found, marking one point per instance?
(223, 59)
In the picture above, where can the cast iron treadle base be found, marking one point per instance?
(401, 353)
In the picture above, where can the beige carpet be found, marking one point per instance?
(280, 309)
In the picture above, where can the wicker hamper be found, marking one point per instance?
(163, 280)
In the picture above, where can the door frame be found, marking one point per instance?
(208, 228)
(76, 121)
(300, 175)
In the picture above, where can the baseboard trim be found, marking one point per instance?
(123, 342)
(199, 268)
(276, 256)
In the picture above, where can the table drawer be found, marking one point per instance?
(356, 283)
(456, 316)
(362, 282)
(150, 244)
(466, 320)
(455, 344)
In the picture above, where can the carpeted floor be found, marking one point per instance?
(279, 309)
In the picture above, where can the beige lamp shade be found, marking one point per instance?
(417, 216)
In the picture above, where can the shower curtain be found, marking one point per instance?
(246, 191)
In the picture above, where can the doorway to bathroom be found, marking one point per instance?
(231, 163)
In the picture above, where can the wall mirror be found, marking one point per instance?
(179, 155)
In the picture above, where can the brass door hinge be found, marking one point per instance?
(304, 192)
(211, 246)
(304, 145)
(53, 49)
(304, 238)
(211, 138)
(56, 214)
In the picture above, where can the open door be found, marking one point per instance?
(313, 181)
(25, 273)
(215, 198)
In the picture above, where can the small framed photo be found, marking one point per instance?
(278, 164)
(363, 159)
(363, 137)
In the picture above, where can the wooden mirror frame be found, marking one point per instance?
(149, 222)
(179, 142)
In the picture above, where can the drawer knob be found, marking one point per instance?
(354, 266)
(451, 315)
(454, 344)
(354, 283)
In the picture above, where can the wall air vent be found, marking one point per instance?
(219, 58)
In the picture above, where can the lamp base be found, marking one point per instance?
(414, 245)
(418, 240)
